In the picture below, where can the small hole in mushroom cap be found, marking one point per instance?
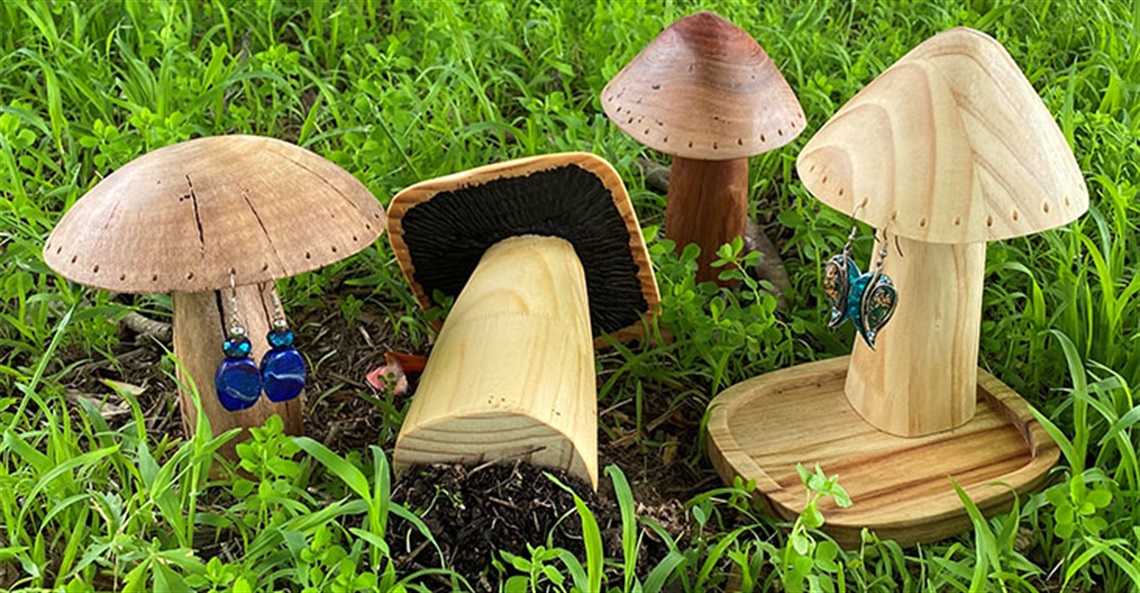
(780, 132)
(354, 239)
(763, 139)
(122, 277)
(368, 226)
(639, 100)
(665, 139)
(957, 220)
(922, 223)
(617, 110)
(690, 143)
(73, 258)
(190, 276)
(656, 87)
(1015, 215)
(629, 121)
(611, 98)
(841, 191)
(265, 267)
(308, 255)
(154, 278)
(863, 204)
(646, 130)
(1066, 201)
(376, 215)
(95, 270)
(334, 248)
(990, 220)
(824, 179)
(714, 146)
(1045, 207)
(740, 141)
(58, 250)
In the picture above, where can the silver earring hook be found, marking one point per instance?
(279, 322)
(236, 327)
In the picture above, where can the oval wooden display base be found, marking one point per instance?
(761, 428)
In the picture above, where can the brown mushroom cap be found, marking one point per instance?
(180, 218)
(704, 89)
(951, 144)
(440, 228)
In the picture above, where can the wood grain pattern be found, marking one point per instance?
(761, 428)
(704, 89)
(707, 205)
(421, 192)
(922, 376)
(951, 144)
(199, 330)
(512, 372)
(180, 218)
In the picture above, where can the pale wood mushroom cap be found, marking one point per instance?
(704, 89)
(180, 218)
(425, 191)
(951, 144)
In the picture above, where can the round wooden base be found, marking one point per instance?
(761, 428)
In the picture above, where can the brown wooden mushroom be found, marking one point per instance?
(544, 255)
(948, 148)
(187, 218)
(705, 92)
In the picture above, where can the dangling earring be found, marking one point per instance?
(282, 368)
(868, 300)
(237, 380)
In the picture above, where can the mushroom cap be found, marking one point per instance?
(704, 89)
(181, 218)
(440, 228)
(951, 144)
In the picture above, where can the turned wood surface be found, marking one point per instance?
(951, 144)
(921, 378)
(511, 375)
(900, 489)
(201, 322)
(181, 218)
(707, 205)
(425, 190)
(704, 89)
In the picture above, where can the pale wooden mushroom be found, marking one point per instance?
(948, 148)
(705, 92)
(188, 218)
(543, 255)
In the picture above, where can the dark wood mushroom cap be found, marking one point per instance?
(180, 218)
(440, 228)
(704, 89)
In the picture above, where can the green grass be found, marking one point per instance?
(399, 91)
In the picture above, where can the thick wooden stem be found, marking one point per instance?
(200, 322)
(922, 378)
(707, 205)
(512, 372)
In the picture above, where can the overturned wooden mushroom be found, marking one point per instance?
(188, 218)
(544, 256)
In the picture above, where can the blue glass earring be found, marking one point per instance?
(868, 300)
(237, 380)
(282, 368)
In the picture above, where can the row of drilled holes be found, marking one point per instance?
(957, 219)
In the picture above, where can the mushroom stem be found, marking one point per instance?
(707, 205)
(200, 326)
(922, 377)
(512, 372)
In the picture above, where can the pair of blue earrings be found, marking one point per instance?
(867, 299)
(239, 381)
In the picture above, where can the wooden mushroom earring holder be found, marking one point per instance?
(948, 148)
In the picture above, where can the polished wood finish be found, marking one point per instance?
(951, 144)
(200, 327)
(183, 217)
(900, 488)
(922, 376)
(426, 190)
(708, 205)
(512, 372)
(704, 89)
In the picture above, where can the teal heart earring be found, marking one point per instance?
(868, 300)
